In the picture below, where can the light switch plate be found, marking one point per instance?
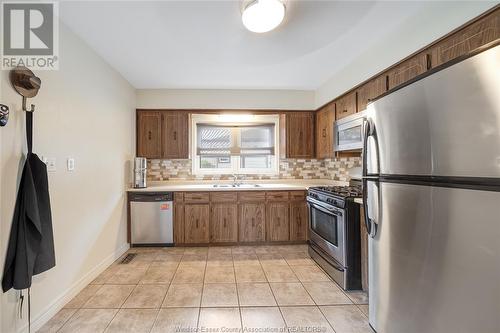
(70, 163)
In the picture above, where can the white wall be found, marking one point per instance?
(427, 27)
(225, 99)
(86, 111)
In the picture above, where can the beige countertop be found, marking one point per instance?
(358, 200)
(208, 185)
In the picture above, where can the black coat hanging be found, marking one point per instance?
(31, 243)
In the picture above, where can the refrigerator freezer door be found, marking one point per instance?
(446, 124)
(434, 263)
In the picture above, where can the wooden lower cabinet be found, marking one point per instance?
(196, 223)
(252, 219)
(178, 223)
(277, 220)
(298, 221)
(240, 217)
(223, 223)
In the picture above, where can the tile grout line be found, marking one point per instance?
(165, 296)
(277, 304)
(201, 297)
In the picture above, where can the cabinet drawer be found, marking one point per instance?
(178, 196)
(223, 197)
(277, 196)
(254, 196)
(297, 196)
(194, 197)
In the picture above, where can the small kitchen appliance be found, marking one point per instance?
(140, 171)
(334, 230)
(348, 132)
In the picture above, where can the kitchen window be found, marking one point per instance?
(235, 144)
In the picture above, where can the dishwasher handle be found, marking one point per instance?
(151, 197)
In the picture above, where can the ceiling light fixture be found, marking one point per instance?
(263, 15)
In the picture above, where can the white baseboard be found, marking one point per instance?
(72, 291)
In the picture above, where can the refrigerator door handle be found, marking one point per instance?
(370, 223)
(369, 131)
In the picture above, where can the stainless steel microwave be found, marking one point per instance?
(348, 132)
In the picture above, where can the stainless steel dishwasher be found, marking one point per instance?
(151, 219)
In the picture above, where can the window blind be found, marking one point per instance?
(220, 140)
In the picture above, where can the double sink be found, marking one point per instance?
(236, 185)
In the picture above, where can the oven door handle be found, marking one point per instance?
(318, 205)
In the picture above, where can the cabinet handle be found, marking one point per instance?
(224, 222)
(149, 135)
(175, 135)
(324, 133)
(253, 222)
(196, 223)
(345, 110)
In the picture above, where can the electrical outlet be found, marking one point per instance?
(51, 164)
(70, 163)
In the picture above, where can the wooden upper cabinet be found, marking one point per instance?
(472, 37)
(407, 70)
(175, 134)
(196, 223)
(149, 134)
(345, 105)
(277, 219)
(300, 134)
(325, 118)
(371, 90)
(252, 218)
(162, 134)
(224, 222)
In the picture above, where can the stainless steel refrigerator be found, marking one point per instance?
(432, 200)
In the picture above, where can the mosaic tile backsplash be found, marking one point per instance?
(334, 169)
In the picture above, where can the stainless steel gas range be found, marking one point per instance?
(334, 232)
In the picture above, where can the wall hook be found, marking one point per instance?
(4, 114)
(26, 84)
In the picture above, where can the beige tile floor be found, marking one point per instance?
(254, 288)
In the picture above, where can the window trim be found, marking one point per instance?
(228, 120)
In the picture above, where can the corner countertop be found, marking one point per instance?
(358, 200)
(208, 185)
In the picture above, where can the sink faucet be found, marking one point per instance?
(236, 180)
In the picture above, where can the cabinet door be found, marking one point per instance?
(370, 90)
(178, 223)
(149, 134)
(324, 131)
(278, 226)
(175, 134)
(467, 40)
(407, 70)
(224, 223)
(196, 221)
(298, 221)
(345, 106)
(252, 222)
(300, 134)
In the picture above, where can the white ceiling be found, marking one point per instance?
(203, 44)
